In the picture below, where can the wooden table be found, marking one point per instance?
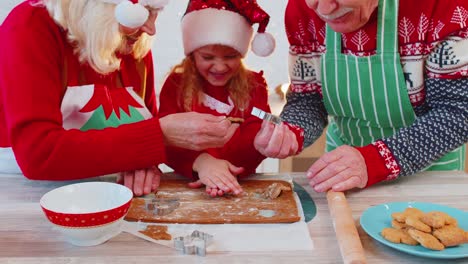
(26, 235)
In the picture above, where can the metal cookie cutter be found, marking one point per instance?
(162, 206)
(196, 243)
(266, 116)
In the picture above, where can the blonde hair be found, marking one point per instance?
(94, 32)
(239, 86)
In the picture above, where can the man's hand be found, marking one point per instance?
(341, 169)
(275, 141)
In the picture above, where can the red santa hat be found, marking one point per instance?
(133, 13)
(226, 22)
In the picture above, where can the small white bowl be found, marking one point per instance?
(88, 213)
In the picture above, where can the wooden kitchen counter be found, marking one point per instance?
(27, 237)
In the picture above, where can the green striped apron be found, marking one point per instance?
(367, 96)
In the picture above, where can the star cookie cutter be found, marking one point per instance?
(161, 206)
(196, 243)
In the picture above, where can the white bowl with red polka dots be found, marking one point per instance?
(88, 213)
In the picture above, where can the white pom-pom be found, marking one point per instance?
(263, 44)
(131, 15)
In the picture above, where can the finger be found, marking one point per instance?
(264, 135)
(328, 183)
(148, 180)
(232, 129)
(293, 141)
(276, 141)
(219, 182)
(321, 163)
(214, 192)
(195, 184)
(217, 127)
(233, 184)
(128, 179)
(225, 182)
(348, 184)
(213, 136)
(295, 146)
(330, 171)
(208, 182)
(120, 178)
(156, 179)
(212, 118)
(138, 182)
(286, 146)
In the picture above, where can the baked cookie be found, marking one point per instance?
(158, 232)
(426, 240)
(415, 222)
(450, 235)
(410, 211)
(398, 236)
(238, 120)
(438, 219)
(398, 225)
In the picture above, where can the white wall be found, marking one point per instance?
(6, 6)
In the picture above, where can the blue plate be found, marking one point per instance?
(376, 218)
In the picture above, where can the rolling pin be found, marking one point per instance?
(351, 248)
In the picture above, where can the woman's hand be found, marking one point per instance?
(341, 169)
(219, 176)
(196, 131)
(141, 182)
(275, 141)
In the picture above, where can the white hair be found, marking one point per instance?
(94, 32)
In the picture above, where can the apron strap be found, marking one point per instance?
(388, 26)
(387, 36)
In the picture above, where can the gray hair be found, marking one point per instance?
(94, 32)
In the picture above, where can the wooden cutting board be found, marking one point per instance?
(197, 207)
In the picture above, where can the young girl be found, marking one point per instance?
(77, 94)
(212, 79)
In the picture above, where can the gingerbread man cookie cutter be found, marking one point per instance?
(161, 206)
(196, 243)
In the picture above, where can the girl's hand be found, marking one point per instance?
(341, 169)
(141, 182)
(213, 192)
(219, 176)
(275, 141)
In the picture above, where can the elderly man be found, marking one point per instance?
(388, 77)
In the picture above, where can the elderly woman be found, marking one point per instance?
(77, 95)
(390, 80)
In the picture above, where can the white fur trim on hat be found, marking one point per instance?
(215, 26)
